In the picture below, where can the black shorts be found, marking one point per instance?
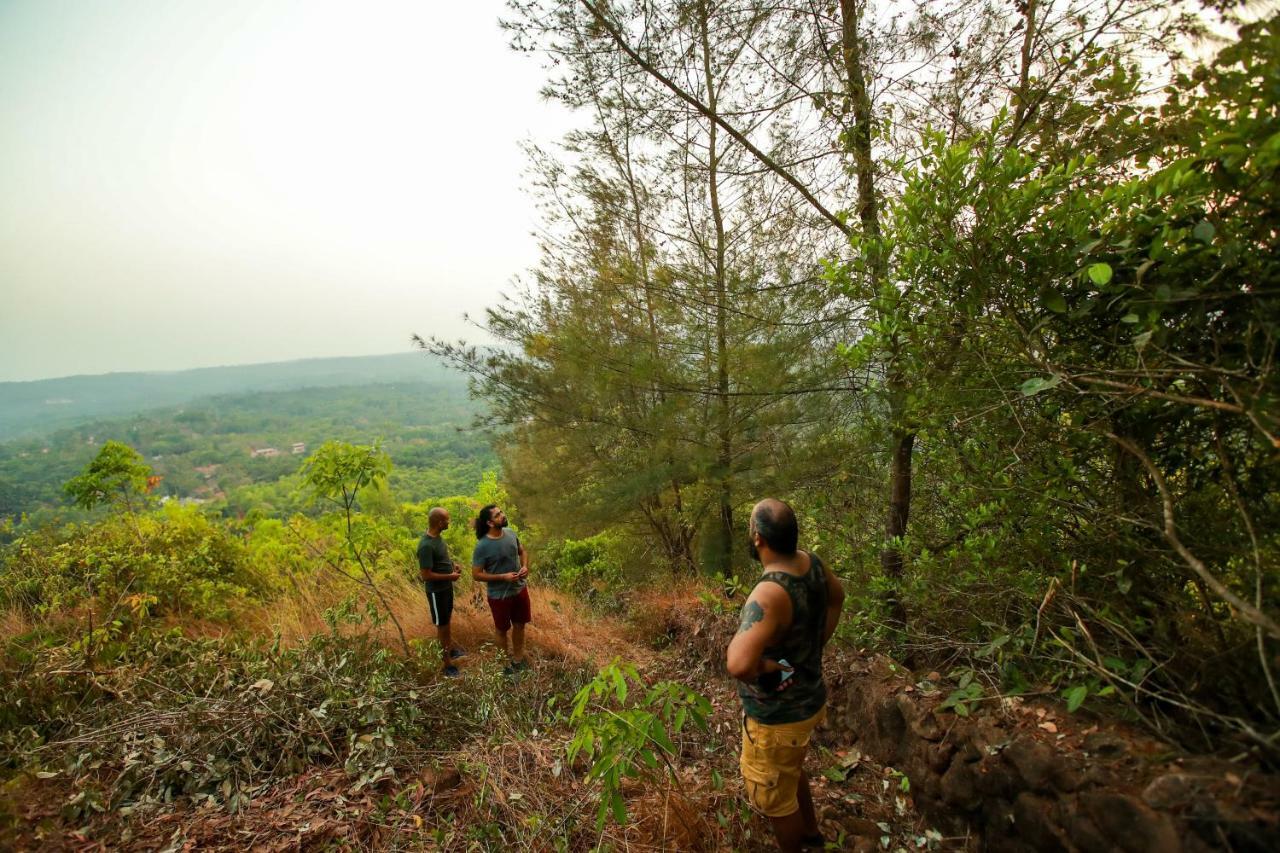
(440, 602)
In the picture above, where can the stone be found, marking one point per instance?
(1171, 791)
(890, 725)
(1129, 824)
(959, 786)
(1034, 823)
(997, 779)
(1034, 762)
(861, 827)
(1105, 745)
(1085, 835)
(1066, 777)
(939, 756)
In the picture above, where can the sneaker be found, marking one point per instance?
(455, 653)
(451, 671)
(521, 665)
(509, 670)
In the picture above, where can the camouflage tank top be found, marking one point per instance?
(801, 646)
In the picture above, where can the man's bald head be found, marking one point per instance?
(438, 518)
(775, 521)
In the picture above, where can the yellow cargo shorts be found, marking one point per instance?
(771, 762)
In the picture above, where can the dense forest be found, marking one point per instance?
(32, 408)
(988, 292)
(237, 453)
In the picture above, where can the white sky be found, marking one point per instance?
(190, 183)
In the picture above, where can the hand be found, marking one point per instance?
(524, 572)
(513, 576)
(774, 676)
(456, 574)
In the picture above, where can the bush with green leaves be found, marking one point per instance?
(626, 729)
(188, 562)
(588, 568)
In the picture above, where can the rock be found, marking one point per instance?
(1105, 745)
(1099, 776)
(1034, 762)
(1171, 791)
(1065, 777)
(997, 779)
(959, 786)
(861, 827)
(1130, 825)
(1085, 835)
(890, 725)
(926, 727)
(939, 756)
(1034, 823)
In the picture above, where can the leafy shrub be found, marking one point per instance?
(588, 568)
(632, 739)
(213, 718)
(189, 563)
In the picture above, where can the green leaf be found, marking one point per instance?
(1055, 302)
(1130, 318)
(1075, 697)
(1100, 273)
(619, 809)
(1204, 231)
(1040, 383)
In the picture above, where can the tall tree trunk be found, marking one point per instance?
(723, 555)
(902, 440)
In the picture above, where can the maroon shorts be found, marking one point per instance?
(507, 610)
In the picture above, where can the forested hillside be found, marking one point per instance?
(205, 451)
(30, 408)
(988, 293)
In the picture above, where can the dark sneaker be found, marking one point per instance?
(509, 669)
(521, 665)
(455, 653)
(451, 671)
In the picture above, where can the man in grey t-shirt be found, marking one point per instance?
(502, 563)
(438, 574)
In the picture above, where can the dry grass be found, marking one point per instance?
(562, 627)
(13, 623)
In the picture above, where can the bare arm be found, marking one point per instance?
(768, 609)
(524, 558)
(835, 603)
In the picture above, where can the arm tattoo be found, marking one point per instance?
(751, 614)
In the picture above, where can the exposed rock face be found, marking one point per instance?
(1027, 787)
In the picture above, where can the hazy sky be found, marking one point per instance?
(188, 183)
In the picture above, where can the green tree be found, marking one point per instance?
(116, 475)
(337, 472)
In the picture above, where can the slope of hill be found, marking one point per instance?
(29, 408)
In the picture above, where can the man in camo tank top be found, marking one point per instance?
(777, 658)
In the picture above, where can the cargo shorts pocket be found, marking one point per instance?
(761, 784)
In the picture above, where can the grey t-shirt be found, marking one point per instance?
(497, 557)
(433, 555)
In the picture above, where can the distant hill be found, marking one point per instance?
(31, 408)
